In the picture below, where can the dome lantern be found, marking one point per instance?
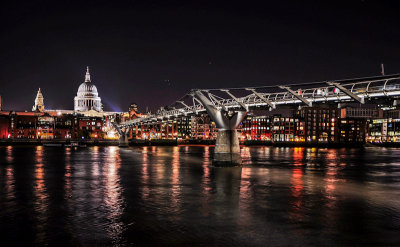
(87, 76)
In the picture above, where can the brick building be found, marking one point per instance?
(90, 127)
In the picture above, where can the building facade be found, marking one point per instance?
(320, 123)
(256, 128)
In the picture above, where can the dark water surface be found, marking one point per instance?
(172, 196)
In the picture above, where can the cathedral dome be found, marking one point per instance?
(87, 89)
(87, 97)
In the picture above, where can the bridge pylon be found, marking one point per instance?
(123, 135)
(227, 148)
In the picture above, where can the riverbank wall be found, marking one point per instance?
(174, 142)
(36, 142)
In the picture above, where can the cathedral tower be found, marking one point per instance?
(39, 105)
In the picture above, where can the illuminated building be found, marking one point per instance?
(87, 97)
(4, 125)
(365, 111)
(391, 113)
(64, 126)
(256, 128)
(90, 128)
(87, 120)
(352, 130)
(134, 111)
(353, 122)
(393, 130)
(151, 131)
(202, 128)
(320, 123)
(87, 102)
(23, 125)
(168, 129)
(184, 127)
(39, 104)
(384, 130)
(283, 128)
(45, 127)
(376, 132)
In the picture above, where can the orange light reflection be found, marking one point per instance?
(114, 199)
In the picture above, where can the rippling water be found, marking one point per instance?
(173, 196)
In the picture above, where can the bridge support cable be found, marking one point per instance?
(214, 99)
(346, 91)
(183, 103)
(196, 107)
(272, 105)
(243, 105)
(295, 94)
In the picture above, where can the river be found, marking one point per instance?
(173, 196)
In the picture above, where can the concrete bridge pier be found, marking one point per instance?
(123, 140)
(123, 135)
(227, 148)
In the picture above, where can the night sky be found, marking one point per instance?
(153, 52)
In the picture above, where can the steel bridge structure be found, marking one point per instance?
(228, 106)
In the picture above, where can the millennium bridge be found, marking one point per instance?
(228, 106)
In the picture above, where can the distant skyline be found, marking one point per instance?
(153, 52)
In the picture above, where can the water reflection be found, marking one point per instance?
(227, 191)
(40, 196)
(145, 174)
(96, 166)
(168, 196)
(206, 187)
(206, 171)
(331, 174)
(114, 200)
(7, 182)
(9, 155)
(298, 154)
(10, 180)
(245, 153)
(245, 198)
(175, 180)
(68, 174)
